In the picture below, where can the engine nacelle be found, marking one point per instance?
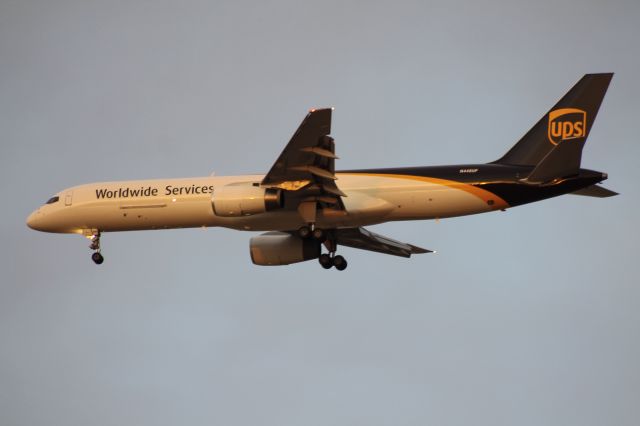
(279, 248)
(245, 200)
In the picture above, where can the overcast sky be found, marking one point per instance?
(529, 317)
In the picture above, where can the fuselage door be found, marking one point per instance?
(68, 198)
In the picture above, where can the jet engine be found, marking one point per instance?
(245, 200)
(279, 248)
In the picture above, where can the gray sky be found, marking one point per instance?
(527, 317)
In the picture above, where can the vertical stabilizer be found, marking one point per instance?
(554, 145)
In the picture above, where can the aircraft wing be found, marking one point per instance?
(363, 239)
(306, 166)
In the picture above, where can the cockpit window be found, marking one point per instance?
(53, 200)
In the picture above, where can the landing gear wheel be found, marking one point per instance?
(325, 261)
(95, 246)
(304, 232)
(340, 263)
(319, 235)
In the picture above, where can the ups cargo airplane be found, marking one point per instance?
(303, 204)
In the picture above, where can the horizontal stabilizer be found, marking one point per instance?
(595, 191)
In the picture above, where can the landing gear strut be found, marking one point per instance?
(312, 232)
(319, 235)
(95, 246)
(327, 260)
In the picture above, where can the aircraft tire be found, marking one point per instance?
(97, 258)
(340, 263)
(319, 235)
(325, 261)
(304, 232)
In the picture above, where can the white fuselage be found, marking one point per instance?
(187, 203)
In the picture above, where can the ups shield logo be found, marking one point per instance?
(567, 123)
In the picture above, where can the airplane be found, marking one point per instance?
(302, 204)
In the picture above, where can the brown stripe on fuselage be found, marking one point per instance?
(491, 199)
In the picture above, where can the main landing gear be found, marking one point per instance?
(326, 260)
(329, 260)
(95, 246)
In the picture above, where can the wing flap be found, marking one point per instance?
(364, 239)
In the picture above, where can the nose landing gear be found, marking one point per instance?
(97, 258)
(95, 246)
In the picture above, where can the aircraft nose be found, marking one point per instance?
(34, 221)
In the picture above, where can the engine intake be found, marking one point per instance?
(279, 248)
(245, 200)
